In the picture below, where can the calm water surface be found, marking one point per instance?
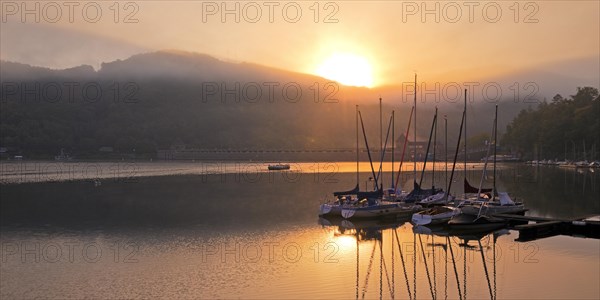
(221, 231)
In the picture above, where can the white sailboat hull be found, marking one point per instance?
(378, 211)
(437, 199)
(434, 216)
(330, 210)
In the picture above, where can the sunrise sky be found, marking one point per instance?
(359, 42)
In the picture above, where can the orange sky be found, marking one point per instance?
(394, 36)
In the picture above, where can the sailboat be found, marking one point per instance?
(345, 198)
(488, 204)
(504, 205)
(474, 215)
(442, 214)
(435, 215)
(378, 207)
(349, 199)
(464, 221)
(380, 210)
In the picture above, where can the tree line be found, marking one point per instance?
(566, 128)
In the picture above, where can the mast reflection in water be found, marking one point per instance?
(423, 261)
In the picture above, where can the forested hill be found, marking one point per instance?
(564, 128)
(157, 100)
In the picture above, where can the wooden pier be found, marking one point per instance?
(587, 226)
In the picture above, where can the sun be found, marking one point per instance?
(347, 69)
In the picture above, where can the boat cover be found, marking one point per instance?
(353, 191)
(505, 199)
(469, 189)
(418, 194)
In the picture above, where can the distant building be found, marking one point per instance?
(421, 148)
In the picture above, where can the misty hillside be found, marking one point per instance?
(158, 100)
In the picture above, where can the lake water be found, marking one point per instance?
(232, 230)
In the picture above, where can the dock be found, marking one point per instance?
(542, 227)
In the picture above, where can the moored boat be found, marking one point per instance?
(380, 210)
(348, 199)
(343, 199)
(478, 218)
(465, 222)
(330, 210)
(418, 194)
(278, 167)
(486, 204)
(439, 198)
(505, 205)
(434, 215)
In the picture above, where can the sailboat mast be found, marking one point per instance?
(427, 151)
(415, 133)
(404, 147)
(446, 152)
(428, 146)
(362, 124)
(495, 148)
(357, 153)
(462, 121)
(465, 116)
(393, 142)
(384, 149)
(381, 140)
(380, 126)
(434, 142)
(487, 155)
